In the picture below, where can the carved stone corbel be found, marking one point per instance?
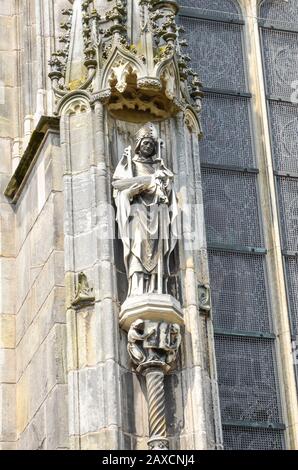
(204, 299)
(84, 293)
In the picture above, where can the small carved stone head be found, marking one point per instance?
(145, 137)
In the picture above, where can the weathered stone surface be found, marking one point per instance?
(54, 166)
(87, 337)
(37, 280)
(93, 396)
(56, 419)
(51, 312)
(5, 152)
(174, 404)
(8, 109)
(7, 230)
(51, 275)
(99, 401)
(24, 317)
(51, 212)
(85, 248)
(134, 404)
(7, 26)
(7, 331)
(26, 214)
(195, 415)
(8, 446)
(4, 178)
(7, 366)
(8, 287)
(106, 439)
(192, 346)
(22, 404)
(80, 145)
(105, 281)
(46, 369)
(140, 443)
(8, 412)
(56, 356)
(7, 8)
(34, 436)
(8, 63)
(96, 344)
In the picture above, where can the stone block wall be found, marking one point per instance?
(40, 306)
(8, 131)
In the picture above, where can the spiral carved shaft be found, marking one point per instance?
(156, 404)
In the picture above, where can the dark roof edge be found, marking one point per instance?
(23, 170)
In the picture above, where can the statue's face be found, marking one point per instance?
(147, 147)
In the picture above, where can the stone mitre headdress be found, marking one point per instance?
(147, 131)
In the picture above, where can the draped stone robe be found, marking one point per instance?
(148, 221)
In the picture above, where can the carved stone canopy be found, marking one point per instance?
(138, 100)
(138, 76)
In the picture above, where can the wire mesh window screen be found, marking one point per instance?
(287, 190)
(237, 438)
(247, 384)
(227, 6)
(216, 52)
(280, 12)
(246, 366)
(291, 265)
(227, 136)
(284, 131)
(239, 292)
(231, 208)
(280, 50)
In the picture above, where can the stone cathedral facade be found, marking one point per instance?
(148, 224)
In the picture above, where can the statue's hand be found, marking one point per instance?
(135, 189)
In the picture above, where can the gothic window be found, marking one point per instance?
(244, 338)
(279, 38)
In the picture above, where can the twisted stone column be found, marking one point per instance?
(156, 407)
(153, 346)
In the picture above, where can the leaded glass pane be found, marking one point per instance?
(280, 12)
(287, 189)
(292, 280)
(227, 136)
(216, 52)
(237, 438)
(284, 124)
(280, 51)
(231, 208)
(246, 374)
(238, 292)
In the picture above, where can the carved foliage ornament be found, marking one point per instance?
(154, 69)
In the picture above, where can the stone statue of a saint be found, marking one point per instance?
(146, 213)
